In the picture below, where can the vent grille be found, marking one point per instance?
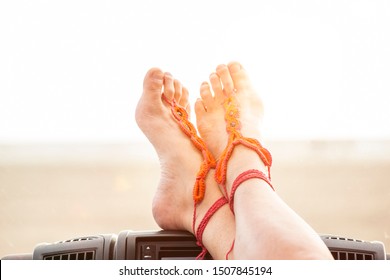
(79, 239)
(343, 255)
(87, 255)
(343, 238)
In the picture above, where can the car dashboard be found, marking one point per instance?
(168, 245)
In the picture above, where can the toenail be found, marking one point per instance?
(157, 75)
(234, 68)
(213, 75)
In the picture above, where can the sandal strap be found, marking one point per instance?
(181, 117)
(203, 223)
(244, 176)
(230, 250)
(236, 138)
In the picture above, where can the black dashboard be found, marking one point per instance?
(168, 245)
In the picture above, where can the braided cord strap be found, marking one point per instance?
(203, 223)
(233, 127)
(181, 117)
(244, 176)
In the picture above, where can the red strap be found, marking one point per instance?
(249, 174)
(230, 250)
(202, 225)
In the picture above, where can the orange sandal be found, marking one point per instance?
(233, 127)
(181, 117)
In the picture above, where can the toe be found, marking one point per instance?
(235, 67)
(217, 88)
(178, 90)
(169, 88)
(226, 79)
(188, 109)
(199, 108)
(184, 98)
(205, 94)
(150, 101)
(239, 76)
(153, 81)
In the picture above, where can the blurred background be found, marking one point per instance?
(73, 161)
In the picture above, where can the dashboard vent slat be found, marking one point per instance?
(87, 255)
(343, 255)
(79, 239)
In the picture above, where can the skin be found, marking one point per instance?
(263, 226)
(172, 204)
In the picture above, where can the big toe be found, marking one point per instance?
(153, 84)
(239, 76)
(153, 81)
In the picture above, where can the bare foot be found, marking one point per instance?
(227, 81)
(230, 81)
(173, 205)
(262, 218)
(179, 159)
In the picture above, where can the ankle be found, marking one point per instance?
(218, 235)
(205, 222)
(243, 159)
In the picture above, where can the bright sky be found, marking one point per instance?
(72, 70)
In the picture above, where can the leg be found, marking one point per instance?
(180, 161)
(266, 228)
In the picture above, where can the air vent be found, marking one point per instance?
(353, 249)
(96, 247)
(79, 239)
(343, 255)
(88, 255)
(343, 238)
